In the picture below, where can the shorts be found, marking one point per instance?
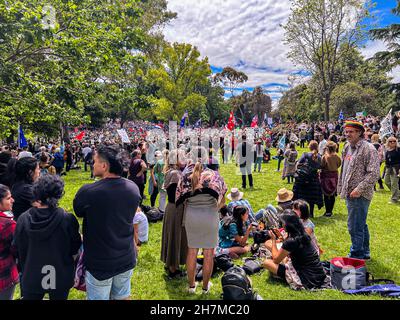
(115, 288)
(281, 271)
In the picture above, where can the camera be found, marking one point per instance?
(261, 236)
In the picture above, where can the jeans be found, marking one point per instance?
(357, 226)
(115, 288)
(258, 163)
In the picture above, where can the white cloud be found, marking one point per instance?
(243, 34)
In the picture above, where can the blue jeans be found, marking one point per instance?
(115, 288)
(258, 163)
(358, 228)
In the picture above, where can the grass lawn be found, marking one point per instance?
(149, 281)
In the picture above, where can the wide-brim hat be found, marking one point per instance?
(354, 124)
(235, 194)
(284, 195)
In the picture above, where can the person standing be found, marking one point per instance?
(360, 172)
(9, 272)
(108, 207)
(379, 148)
(137, 169)
(245, 158)
(289, 166)
(331, 163)
(46, 240)
(392, 160)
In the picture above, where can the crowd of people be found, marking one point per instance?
(39, 238)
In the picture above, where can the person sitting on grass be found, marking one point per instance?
(303, 264)
(234, 233)
(236, 198)
(141, 228)
(300, 207)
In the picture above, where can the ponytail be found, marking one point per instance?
(198, 169)
(314, 149)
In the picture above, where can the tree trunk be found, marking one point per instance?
(327, 102)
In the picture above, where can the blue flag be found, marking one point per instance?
(185, 115)
(22, 141)
(282, 144)
(341, 116)
(198, 124)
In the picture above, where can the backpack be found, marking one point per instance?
(154, 215)
(292, 157)
(236, 285)
(223, 262)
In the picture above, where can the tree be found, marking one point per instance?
(179, 74)
(315, 32)
(230, 79)
(391, 57)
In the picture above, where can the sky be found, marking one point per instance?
(247, 35)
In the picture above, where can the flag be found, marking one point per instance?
(21, 139)
(341, 115)
(282, 143)
(80, 136)
(254, 122)
(386, 126)
(185, 115)
(198, 124)
(231, 122)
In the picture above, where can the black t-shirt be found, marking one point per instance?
(108, 208)
(393, 158)
(306, 261)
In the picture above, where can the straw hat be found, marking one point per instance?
(284, 195)
(235, 194)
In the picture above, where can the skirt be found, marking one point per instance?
(173, 242)
(202, 222)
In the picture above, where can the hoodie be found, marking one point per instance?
(46, 240)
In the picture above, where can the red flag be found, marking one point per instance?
(130, 129)
(80, 136)
(231, 122)
(254, 123)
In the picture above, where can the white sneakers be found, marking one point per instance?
(204, 291)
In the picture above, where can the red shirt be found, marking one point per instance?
(8, 267)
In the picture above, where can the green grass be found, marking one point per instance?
(149, 282)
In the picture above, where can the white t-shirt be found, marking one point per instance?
(143, 226)
(86, 151)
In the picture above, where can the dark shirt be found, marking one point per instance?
(306, 261)
(46, 237)
(392, 158)
(108, 208)
(134, 169)
(22, 193)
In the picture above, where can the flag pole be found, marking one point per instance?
(19, 138)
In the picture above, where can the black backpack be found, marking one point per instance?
(236, 285)
(154, 215)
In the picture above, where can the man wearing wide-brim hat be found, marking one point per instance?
(236, 198)
(285, 200)
(360, 172)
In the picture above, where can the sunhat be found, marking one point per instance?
(284, 195)
(235, 194)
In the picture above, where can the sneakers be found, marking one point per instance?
(192, 290)
(206, 291)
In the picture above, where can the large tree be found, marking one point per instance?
(180, 72)
(315, 32)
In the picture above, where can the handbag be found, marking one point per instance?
(251, 266)
(348, 273)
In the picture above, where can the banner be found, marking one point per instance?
(386, 126)
(80, 136)
(124, 136)
(282, 144)
(270, 121)
(183, 120)
(361, 114)
(341, 115)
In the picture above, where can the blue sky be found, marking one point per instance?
(246, 35)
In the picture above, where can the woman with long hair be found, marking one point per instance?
(392, 163)
(331, 163)
(234, 232)
(307, 185)
(289, 165)
(27, 171)
(203, 192)
(173, 241)
(9, 272)
(301, 252)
